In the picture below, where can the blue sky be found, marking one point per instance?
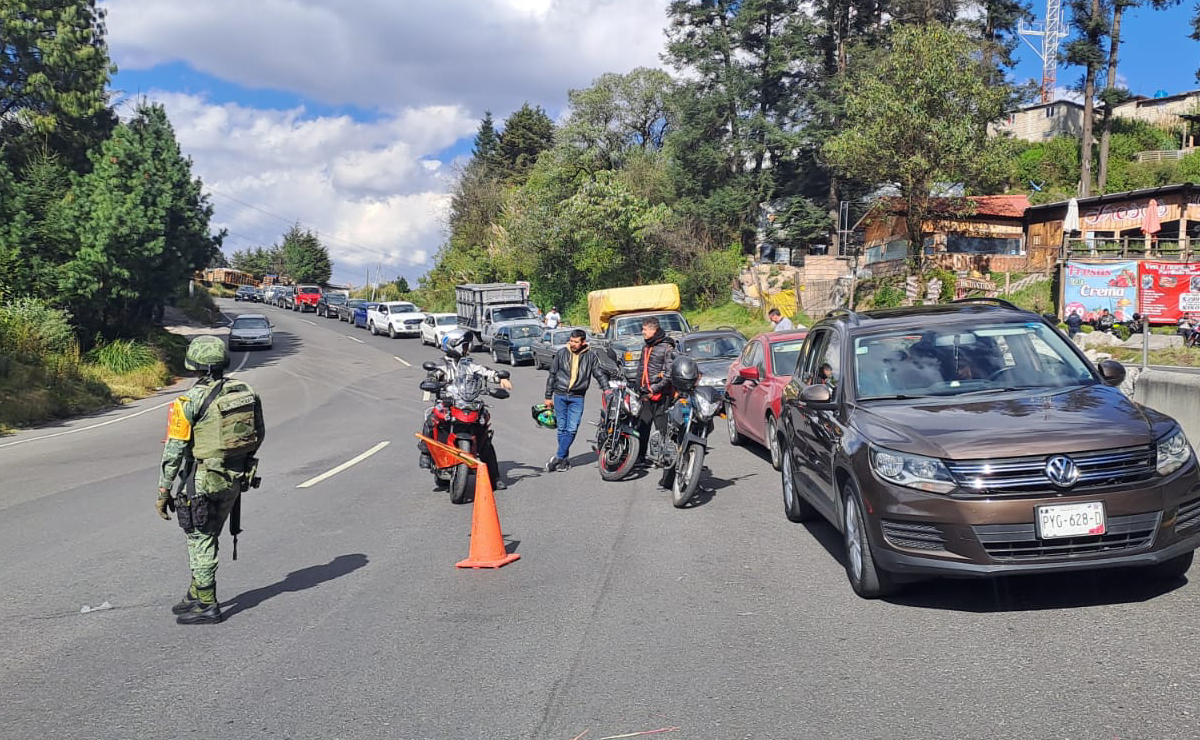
(1156, 53)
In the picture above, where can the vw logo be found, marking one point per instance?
(1061, 471)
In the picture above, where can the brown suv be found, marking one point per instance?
(974, 439)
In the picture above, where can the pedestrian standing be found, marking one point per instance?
(781, 322)
(553, 319)
(1074, 324)
(571, 373)
(654, 386)
(213, 433)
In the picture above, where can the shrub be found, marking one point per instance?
(888, 295)
(29, 327)
(122, 356)
(949, 284)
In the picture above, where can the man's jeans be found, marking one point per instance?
(568, 412)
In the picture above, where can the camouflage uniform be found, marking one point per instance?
(217, 481)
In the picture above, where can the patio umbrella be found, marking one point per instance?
(1150, 224)
(1071, 222)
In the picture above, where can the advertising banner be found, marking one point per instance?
(1089, 288)
(1169, 290)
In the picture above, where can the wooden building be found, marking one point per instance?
(1111, 227)
(983, 233)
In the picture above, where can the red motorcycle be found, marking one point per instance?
(460, 419)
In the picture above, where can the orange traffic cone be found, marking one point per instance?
(487, 544)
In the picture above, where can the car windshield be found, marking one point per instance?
(512, 313)
(960, 360)
(309, 290)
(356, 302)
(450, 320)
(525, 332)
(784, 356)
(249, 323)
(632, 326)
(335, 298)
(709, 348)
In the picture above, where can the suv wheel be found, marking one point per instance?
(795, 508)
(372, 329)
(392, 331)
(866, 578)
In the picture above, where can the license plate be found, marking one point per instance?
(1071, 520)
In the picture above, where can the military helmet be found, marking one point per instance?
(206, 353)
(543, 416)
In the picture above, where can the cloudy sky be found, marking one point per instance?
(349, 116)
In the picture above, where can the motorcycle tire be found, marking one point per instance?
(460, 476)
(687, 475)
(616, 458)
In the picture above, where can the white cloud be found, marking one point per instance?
(369, 189)
(481, 54)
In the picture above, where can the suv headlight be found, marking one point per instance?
(912, 471)
(1173, 452)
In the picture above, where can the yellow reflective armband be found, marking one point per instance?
(178, 427)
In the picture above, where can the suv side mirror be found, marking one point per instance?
(816, 394)
(1112, 372)
(429, 366)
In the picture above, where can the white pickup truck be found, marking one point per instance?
(395, 318)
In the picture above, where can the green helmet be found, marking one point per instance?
(543, 415)
(206, 353)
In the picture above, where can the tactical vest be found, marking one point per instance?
(228, 428)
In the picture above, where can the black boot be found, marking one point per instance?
(189, 600)
(205, 611)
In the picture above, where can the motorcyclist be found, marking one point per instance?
(653, 384)
(457, 346)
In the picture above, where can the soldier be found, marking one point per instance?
(213, 432)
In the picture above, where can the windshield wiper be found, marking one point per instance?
(1009, 389)
(896, 397)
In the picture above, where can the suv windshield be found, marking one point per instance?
(512, 313)
(308, 290)
(403, 308)
(958, 359)
(632, 326)
(447, 320)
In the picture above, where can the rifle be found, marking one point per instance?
(249, 480)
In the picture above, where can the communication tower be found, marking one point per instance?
(1051, 31)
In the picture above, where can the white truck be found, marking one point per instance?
(395, 318)
(481, 306)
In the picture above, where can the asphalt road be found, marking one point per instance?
(348, 619)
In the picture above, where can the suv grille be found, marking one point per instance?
(914, 535)
(1189, 516)
(1023, 476)
(1020, 541)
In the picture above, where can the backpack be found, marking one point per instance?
(226, 425)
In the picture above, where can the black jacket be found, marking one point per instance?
(560, 373)
(655, 363)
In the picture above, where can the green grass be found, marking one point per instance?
(746, 320)
(1176, 356)
(199, 306)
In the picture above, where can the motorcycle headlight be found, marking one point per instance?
(1173, 452)
(707, 407)
(911, 471)
(714, 380)
(633, 404)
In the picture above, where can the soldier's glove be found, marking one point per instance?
(164, 503)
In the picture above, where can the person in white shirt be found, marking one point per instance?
(553, 319)
(781, 322)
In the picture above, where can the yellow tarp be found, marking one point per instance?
(784, 300)
(604, 304)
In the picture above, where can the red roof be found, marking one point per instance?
(996, 206)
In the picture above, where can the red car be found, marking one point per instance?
(754, 385)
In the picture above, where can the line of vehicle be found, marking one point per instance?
(401, 361)
(353, 461)
(93, 426)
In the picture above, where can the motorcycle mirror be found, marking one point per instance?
(498, 393)
(429, 366)
(503, 374)
(430, 386)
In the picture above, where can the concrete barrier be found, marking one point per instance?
(1174, 394)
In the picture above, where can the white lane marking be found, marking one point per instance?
(93, 426)
(401, 361)
(245, 356)
(355, 339)
(354, 461)
(309, 322)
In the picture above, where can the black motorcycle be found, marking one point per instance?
(617, 439)
(460, 419)
(681, 453)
